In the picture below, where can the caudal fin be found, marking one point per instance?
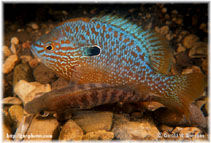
(182, 90)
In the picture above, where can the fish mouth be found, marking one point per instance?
(33, 50)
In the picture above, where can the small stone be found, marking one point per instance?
(164, 10)
(12, 101)
(177, 130)
(91, 121)
(198, 50)
(13, 49)
(192, 69)
(71, 131)
(165, 128)
(169, 36)
(26, 91)
(180, 48)
(6, 51)
(157, 29)
(9, 63)
(164, 30)
(148, 15)
(33, 63)
(152, 106)
(99, 135)
(183, 59)
(16, 114)
(203, 27)
(174, 11)
(131, 10)
(14, 41)
(43, 129)
(26, 45)
(43, 74)
(145, 129)
(179, 21)
(34, 26)
(192, 133)
(25, 58)
(22, 72)
(190, 40)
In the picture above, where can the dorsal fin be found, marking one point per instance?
(160, 55)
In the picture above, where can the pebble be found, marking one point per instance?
(164, 127)
(164, 30)
(34, 26)
(179, 21)
(25, 58)
(13, 49)
(193, 69)
(14, 41)
(203, 27)
(12, 101)
(192, 133)
(198, 50)
(164, 10)
(190, 40)
(70, 132)
(26, 45)
(22, 72)
(33, 63)
(145, 129)
(43, 74)
(99, 135)
(6, 51)
(26, 91)
(9, 63)
(167, 117)
(91, 121)
(152, 106)
(43, 129)
(16, 113)
(180, 48)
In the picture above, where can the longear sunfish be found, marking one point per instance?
(111, 60)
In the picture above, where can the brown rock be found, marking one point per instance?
(26, 91)
(43, 74)
(71, 131)
(198, 50)
(43, 129)
(145, 129)
(11, 101)
(9, 63)
(165, 116)
(14, 40)
(22, 72)
(91, 121)
(16, 114)
(33, 63)
(164, 30)
(99, 135)
(165, 128)
(190, 40)
(6, 51)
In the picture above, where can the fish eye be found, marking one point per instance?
(49, 47)
(43, 113)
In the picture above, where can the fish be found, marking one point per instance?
(116, 56)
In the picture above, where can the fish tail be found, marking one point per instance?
(181, 91)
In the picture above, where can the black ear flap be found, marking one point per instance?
(91, 51)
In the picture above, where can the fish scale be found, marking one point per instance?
(114, 51)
